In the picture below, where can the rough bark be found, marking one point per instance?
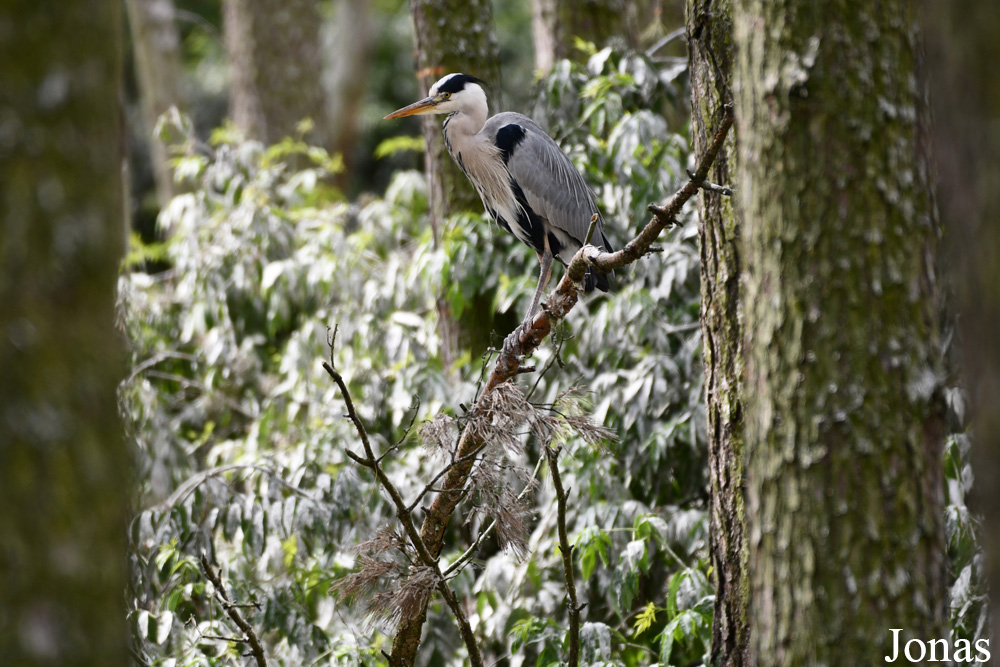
(710, 48)
(156, 49)
(274, 55)
(62, 455)
(844, 422)
(543, 34)
(452, 36)
(963, 48)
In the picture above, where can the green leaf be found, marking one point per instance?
(592, 543)
(164, 622)
(289, 549)
(399, 144)
(645, 619)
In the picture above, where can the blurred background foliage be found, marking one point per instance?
(228, 296)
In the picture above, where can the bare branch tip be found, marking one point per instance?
(590, 230)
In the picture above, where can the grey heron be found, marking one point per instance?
(527, 183)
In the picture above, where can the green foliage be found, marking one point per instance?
(394, 145)
(969, 603)
(240, 436)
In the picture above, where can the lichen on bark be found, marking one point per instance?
(843, 410)
(710, 48)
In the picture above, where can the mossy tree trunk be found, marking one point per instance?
(963, 53)
(844, 422)
(710, 47)
(156, 49)
(275, 62)
(62, 455)
(452, 36)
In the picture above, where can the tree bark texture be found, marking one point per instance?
(275, 63)
(452, 36)
(844, 417)
(156, 49)
(710, 48)
(63, 458)
(963, 50)
(543, 34)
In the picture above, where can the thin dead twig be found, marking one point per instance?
(233, 611)
(404, 513)
(566, 551)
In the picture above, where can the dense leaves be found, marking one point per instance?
(240, 435)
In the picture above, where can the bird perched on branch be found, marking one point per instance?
(528, 185)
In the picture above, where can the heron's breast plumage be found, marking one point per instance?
(485, 163)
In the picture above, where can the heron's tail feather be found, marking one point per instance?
(598, 280)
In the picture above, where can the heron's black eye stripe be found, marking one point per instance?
(456, 83)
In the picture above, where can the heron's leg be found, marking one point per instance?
(545, 259)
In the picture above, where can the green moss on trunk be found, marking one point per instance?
(709, 26)
(843, 412)
(62, 456)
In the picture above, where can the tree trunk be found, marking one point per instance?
(62, 455)
(275, 64)
(156, 48)
(556, 23)
(710, 27)
(452, 36)
(844, 418)
(966, 95)
(543, 33)
(348, 66)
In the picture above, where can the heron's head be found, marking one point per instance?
(453, 92)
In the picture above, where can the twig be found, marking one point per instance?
(371, 461)
(416, 408)
(663, 41)
(156, 359)
(403, 512)
(485, 533)
(566, 551)
(713, 187)
(559, 341)
(590, 230)
(231, 609)
(525, 340)
(231, 640)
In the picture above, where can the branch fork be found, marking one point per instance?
(517, 347)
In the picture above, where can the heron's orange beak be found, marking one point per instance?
(424, 106)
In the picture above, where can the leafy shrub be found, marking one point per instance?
(240, 436)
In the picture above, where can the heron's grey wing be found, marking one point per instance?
(552, 186)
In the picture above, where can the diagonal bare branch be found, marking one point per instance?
(523, 342)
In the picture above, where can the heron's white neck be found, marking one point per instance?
(471, 115)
